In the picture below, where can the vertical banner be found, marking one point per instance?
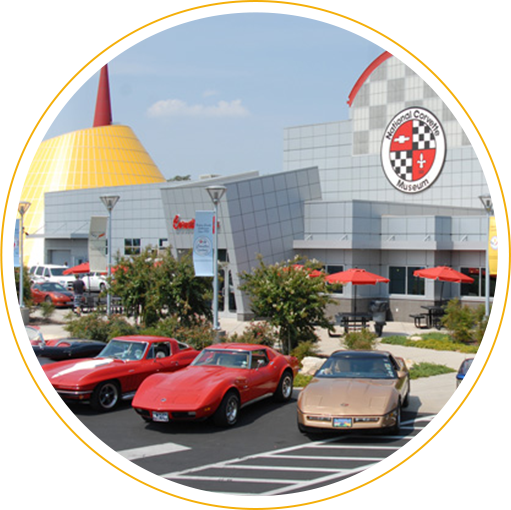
(17, 244)
(97, 244)
(493, 246)
(203, 243)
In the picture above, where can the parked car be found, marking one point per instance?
(95, 282)
(51, 293)
(118, 370)
(38, 352)
(51, 273)
(482, 406)
(222, 379)
(355, 390)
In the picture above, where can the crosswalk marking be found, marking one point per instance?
(152, 451)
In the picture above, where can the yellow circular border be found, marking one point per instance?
(142, 482)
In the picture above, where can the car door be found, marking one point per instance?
(261, 376)
(402, 382)
(37, 294)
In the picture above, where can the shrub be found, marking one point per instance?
(47, 309)
(301, 380)
(197, 335)
(481, 321)
(305, 349)
(430, 341)
(363, 340)
(94, 326)
(459, 320)
(261, 333)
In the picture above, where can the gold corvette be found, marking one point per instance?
(355, 390)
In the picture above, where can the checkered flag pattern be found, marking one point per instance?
(402, 162)
(423, 138)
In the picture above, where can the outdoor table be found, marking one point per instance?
(351, 321)
(434, 315)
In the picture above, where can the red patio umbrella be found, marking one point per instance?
(443, 274)
(79, 269)
(356, 276)
(313, 273)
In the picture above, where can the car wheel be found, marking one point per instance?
(397, 426)
(48, 299)
(105, 396)
(227, 413)
(285, 388)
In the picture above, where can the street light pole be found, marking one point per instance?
(109, 202)
(216, 193)
(488, 207)
(22, 209)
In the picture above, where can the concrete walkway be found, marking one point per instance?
(429, 394)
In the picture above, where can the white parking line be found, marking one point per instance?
(296, 453)
(61, 466)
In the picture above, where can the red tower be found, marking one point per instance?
(103, 113)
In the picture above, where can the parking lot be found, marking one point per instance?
(263, 456)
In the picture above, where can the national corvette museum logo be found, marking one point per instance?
(413, 150)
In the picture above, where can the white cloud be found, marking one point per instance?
(209, 93)
(178, 108)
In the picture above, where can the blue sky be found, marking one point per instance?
(214, 95)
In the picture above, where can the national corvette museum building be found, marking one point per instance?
(392, 189)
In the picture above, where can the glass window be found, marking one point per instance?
(336, 289)
(131, 246)
(415, 285)
(397, 277)
(478, 287)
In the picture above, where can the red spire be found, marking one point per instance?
(103, 114)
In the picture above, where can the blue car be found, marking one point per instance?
(482, 406)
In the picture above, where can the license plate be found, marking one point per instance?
(160, 416)
(52, 395)
(342, 423)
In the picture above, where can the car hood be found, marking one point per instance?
(191, 385)
(484, 401)
(66, 373)
(353, 396)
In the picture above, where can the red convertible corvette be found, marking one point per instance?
(118, 370)
(222, 379)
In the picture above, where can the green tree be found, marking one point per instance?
(27, 295)
(289, 300)
(151, 288)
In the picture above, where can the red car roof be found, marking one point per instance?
(144, 338)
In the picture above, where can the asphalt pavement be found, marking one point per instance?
(429, 394)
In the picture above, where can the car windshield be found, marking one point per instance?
(360, 367)
(28, 336)
(52, 287)
(490, 376)
(122, 349)
(466, 365)
(223, 358)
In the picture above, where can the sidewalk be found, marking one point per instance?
(428, 395)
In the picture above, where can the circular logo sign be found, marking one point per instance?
(202, 246)
(494, 243)
(413, 150)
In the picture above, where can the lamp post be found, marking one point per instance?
(216, 193)
(22, 209)
(488, 207)
(109, 202)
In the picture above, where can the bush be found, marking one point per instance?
(47, 309)
(300, 381)
(197, 335)
(94, 326)
(481, 321)
(305, 349)
(261, 333)
(363, 340)
(459, 320)
(431, 341)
